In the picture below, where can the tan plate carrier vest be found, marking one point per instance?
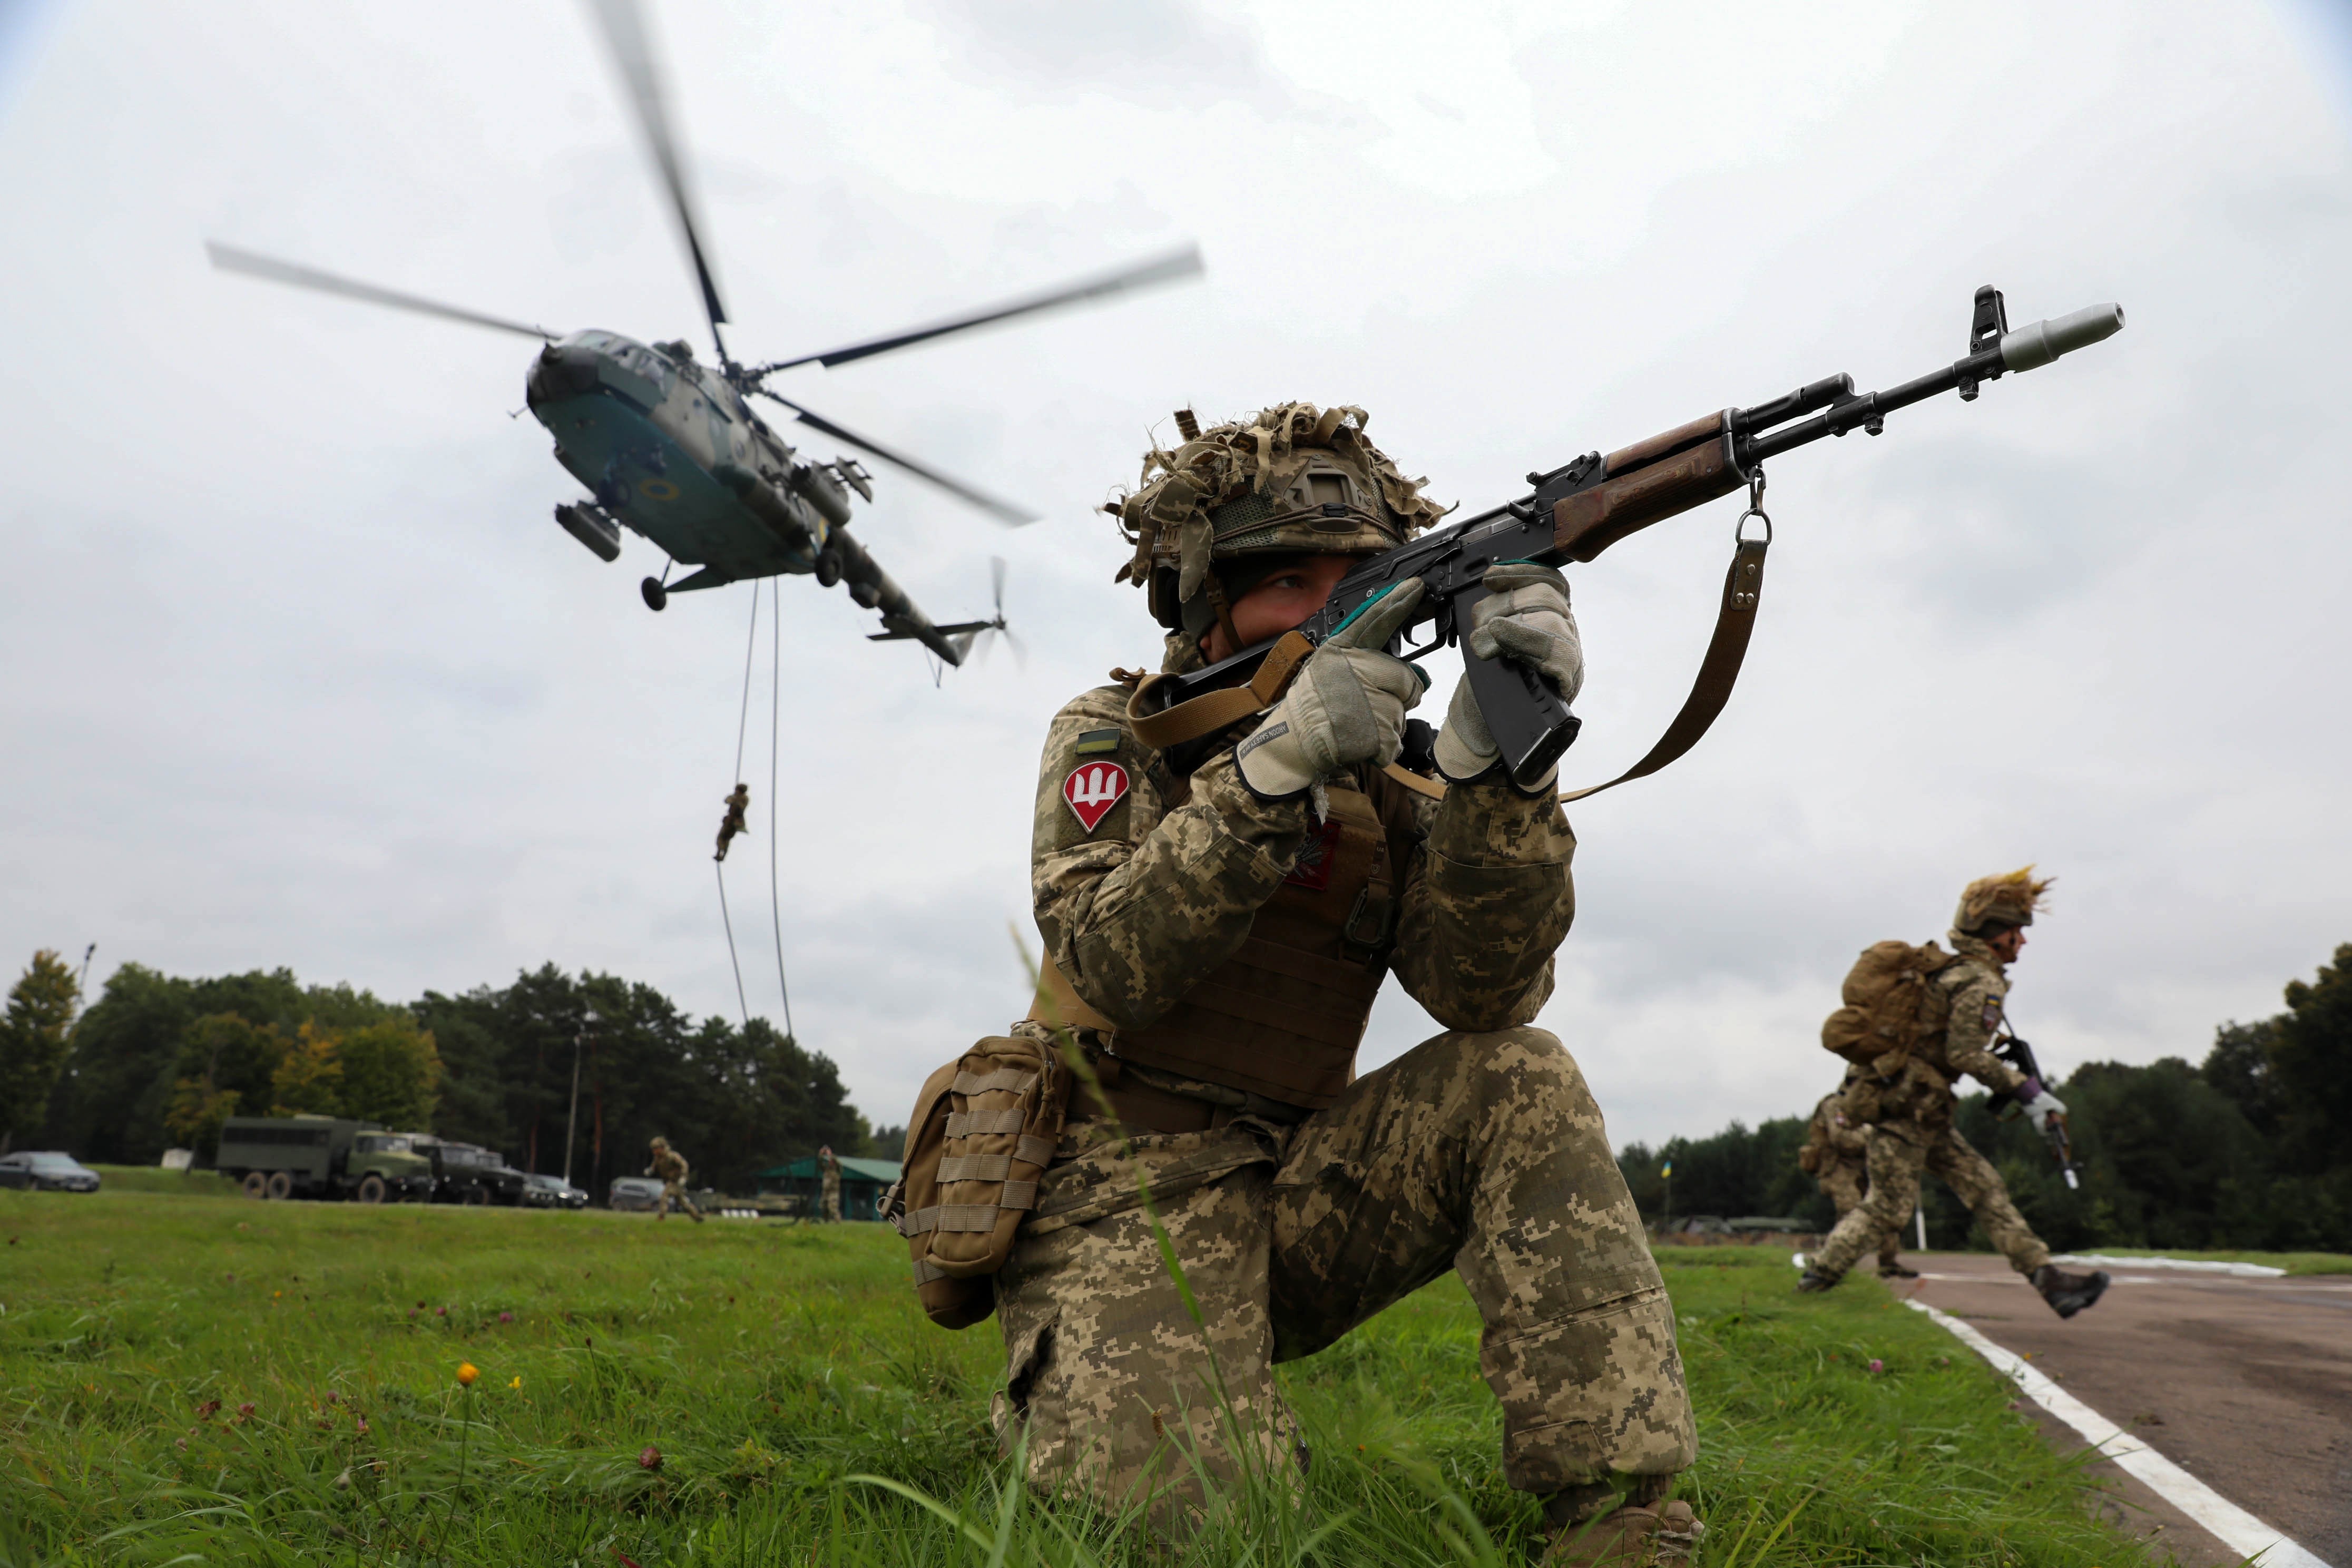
(1283, 1017)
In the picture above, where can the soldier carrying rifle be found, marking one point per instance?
(1905, 1093)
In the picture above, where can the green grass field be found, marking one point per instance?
(187, 1380)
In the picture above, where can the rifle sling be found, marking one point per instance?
(1743, 589)
(1719, 672)
(1213, 711)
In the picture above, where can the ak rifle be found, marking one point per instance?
(1577, 512)
(2019, 1055)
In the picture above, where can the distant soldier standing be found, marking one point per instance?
(1908, 1103)
(1217, 923)
(738, 803)
(1837, 1155)
(828, 1171)
(670, 1166)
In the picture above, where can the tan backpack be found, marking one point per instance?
(1892, 1004)
(982, 1132)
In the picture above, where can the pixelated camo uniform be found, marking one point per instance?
(829, 1192)
(1481, 1151)
(1842, 1165)
(670, 1169)
(1912, 1130)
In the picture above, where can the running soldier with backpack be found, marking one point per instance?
(1915, 1020)
(1837, 1156)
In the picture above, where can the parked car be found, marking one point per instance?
(469, 1174)
(633, 1193)
(322, 1157)
(48, 1171)
(551, 1193)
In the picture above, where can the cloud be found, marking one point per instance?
(1157, 52)
(303, 673)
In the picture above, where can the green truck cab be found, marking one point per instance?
(322, 1157)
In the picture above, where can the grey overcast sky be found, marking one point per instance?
(301, 672)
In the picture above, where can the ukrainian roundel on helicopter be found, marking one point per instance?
(670, 447)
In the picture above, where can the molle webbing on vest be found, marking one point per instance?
(1283, 1017)
(1271, 1019)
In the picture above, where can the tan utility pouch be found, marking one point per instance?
(982, 1132)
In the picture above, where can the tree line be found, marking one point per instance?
(161, 1062)
(2250, 1149)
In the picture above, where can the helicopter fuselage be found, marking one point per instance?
(649, 437)
(668, 448)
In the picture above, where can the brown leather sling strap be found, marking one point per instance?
(1213, 711)
(1718, 672)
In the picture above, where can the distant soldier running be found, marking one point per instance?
(1837, 1155)
(1907, 1102)
(828, 1170)
(670, 1166)
(732, 822)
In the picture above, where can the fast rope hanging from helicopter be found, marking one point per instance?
(739, 800)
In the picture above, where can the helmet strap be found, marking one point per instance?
(1213, 586)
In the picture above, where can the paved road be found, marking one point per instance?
(2245, 1384)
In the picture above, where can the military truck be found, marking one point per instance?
(469, 1174)
(322, 1157)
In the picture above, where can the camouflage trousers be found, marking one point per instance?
(830, 1203)
(1479, 1152)
(674, 1192)
(1899, 1151)
(1845, 1183)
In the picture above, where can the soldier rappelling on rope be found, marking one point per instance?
(732, 822)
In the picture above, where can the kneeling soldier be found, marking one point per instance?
(1216, 928)
(1911, 1120)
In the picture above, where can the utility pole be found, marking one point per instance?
(572, 1118)
(1922, 1213)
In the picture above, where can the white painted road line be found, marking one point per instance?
(2232, 1526)
(2186, 1264)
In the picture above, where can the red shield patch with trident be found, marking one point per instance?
(1092, 790)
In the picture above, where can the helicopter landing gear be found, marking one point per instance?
(655, 594)
(828, 568)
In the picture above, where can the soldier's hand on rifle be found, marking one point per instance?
(1346, 706)
(2040, 1104)
(1525, 617)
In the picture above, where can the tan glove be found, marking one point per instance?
(1346, 706)
(1525, 617)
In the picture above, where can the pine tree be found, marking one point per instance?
(34, 1038)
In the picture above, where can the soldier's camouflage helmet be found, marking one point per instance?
(1293, 479)
(2007, 899)
(660, 1144)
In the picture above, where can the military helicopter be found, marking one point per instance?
(671, 447)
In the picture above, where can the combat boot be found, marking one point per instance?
(2068, 1293)
(1814, 1279)
(1634, 1536)
(1890, 1269)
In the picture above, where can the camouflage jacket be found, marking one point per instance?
(1977, 984)
(669, 1166)
(1925, 1090)
(1832, 1136)
(1138, 898)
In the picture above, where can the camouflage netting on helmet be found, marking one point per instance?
(1289, 480)
(2008, 898)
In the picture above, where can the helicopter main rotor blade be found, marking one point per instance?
(625, 32)
(229, 258)
(1004, 511)
(1177, 264)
